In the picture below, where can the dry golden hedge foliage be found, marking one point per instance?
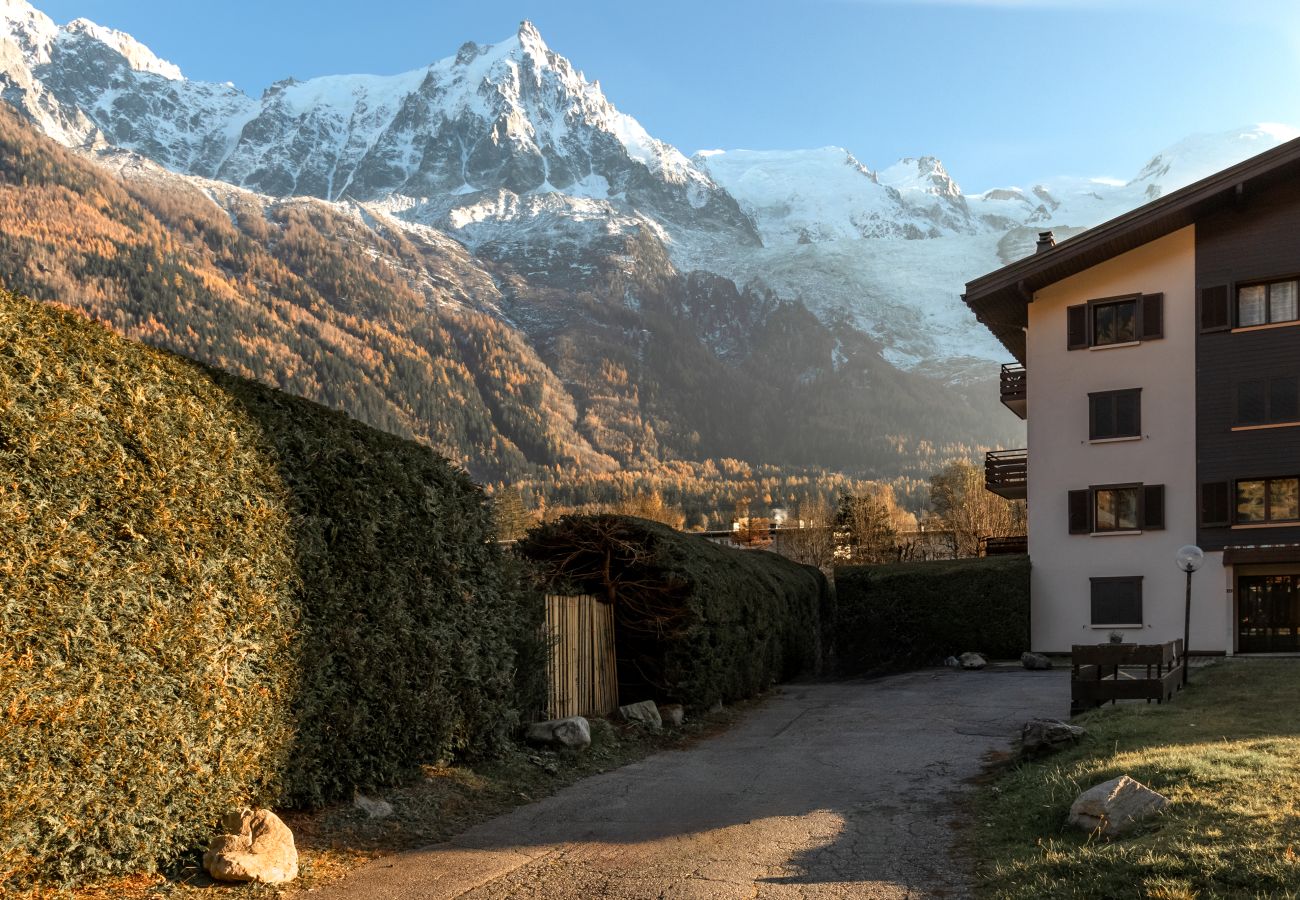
(214, 593)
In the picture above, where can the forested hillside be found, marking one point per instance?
(493, 364)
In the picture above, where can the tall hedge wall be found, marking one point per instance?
(909, 614)
(213, 593)
(695, 622)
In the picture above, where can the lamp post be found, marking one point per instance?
(1189, 559)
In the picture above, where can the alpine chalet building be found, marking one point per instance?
(1158, 368)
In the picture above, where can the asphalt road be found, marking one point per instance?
(828, 790)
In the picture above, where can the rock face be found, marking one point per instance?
(573, 733)
(1035, 661)
(645, 713)
(1046, 735)
(673, 714)
(1115, 806)
(257, 846)
(972, 661)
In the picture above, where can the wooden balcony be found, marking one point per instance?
(1015, 382)
(1006, 473)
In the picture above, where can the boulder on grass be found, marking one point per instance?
(643, 713)
(1048, 735)
(573, 733)
(1035, 661)
(257, 846)
(673, 714)
(1115, 806)
(972, 661)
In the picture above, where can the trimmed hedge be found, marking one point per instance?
(695, 622)
(213, 593)
(914, 614)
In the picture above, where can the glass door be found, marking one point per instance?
(1268, 614)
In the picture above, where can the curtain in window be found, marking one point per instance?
(1250, 306)
(1282, 301)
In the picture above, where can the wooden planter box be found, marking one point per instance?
(1103, 672)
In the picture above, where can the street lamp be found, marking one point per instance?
(1189, 559)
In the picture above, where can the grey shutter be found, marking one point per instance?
(1076, 327)
(1216, 312)
(1080, 512)
(1153, 507)
(1215, 509)
(1151, 318)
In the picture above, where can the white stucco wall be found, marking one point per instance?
(1061, 458)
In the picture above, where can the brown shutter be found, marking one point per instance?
(1080, 512)
(1151, 318)
(1153, 507)
(1214, 504)
(1076, 327)
(1216, 312)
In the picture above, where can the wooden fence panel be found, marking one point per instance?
(582, 668)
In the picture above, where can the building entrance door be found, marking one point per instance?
(1268, 614)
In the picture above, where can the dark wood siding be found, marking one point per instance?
(1253, 240)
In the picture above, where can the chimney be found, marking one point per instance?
(1046, 241)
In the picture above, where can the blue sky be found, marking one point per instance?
(1003, 91)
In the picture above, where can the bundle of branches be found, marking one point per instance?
(695, 622)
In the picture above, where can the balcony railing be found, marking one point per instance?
(1006, 473)
(1015, 381)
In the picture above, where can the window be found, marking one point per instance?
(1264, 500)
(1268, 401)
(1267, 304)
(1113, 321)
(1115, 414)
(1117, 600)
(1109, 508)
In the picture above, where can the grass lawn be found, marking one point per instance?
(1226, 753)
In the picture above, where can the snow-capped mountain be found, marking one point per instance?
(510, 150)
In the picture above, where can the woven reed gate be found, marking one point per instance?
(583, 671)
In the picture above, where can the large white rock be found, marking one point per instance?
(1045, 735)
(1035, 661)
(256, 847)
(373, 807)
(645, 713)
(573, 733)
(973, 661)
(673, 714)
(1115, 806)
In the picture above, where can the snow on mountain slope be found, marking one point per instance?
(510, 150)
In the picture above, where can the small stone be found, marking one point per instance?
(643, 713)
(373, 807)
(972, 661)
(1047, 735)
(673, 714)
(573, 733)
(1115, 806)
(1035, 661)
(257, 846)
(952, 662)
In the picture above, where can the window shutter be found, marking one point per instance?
(1153, 507)
(1080, 512)
(1214, 503)
(1251, 402)
(1128, 413)
(1216, 314)
(1151, 321)
(1076, 326)
(1284, 399)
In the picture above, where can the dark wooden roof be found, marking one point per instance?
(1000, 299)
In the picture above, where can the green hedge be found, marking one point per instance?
(695, 622)
(213, 593)
(909, 614)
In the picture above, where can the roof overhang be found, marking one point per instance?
(1000, 300)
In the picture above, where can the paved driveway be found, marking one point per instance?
(828, 790)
